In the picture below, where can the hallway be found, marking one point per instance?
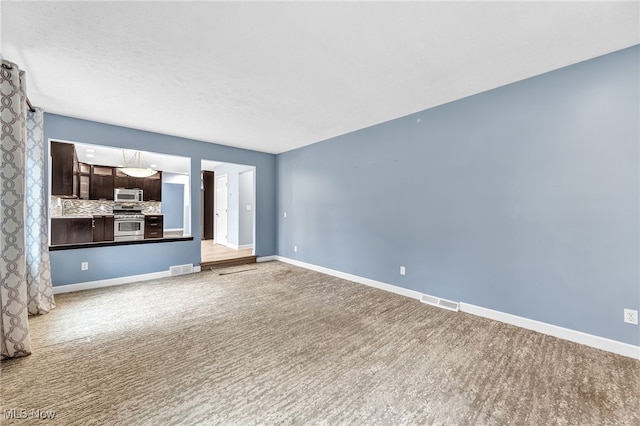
(213, 255)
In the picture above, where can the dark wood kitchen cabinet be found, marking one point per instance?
(122, 180)
(102, 183)
(102, 228)
(71, 230)
(153, 226)
(64, 170)
(84, 178)
(152, 188)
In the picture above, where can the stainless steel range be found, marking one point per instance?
(128, 222)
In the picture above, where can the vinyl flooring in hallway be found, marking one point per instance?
(213, 253)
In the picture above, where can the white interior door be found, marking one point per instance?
(222, 202)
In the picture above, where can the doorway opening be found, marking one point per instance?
(227, 214)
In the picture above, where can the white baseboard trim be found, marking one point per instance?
(239, 247)
(67, 288)
(597, 342)
(355, 278)
(266, 259)
(109, 282)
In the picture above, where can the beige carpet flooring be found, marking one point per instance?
(277, 344)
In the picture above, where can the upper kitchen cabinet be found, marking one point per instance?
(71, 178)
(152, 188)
(102, 183)
(123, 180)
(64, 170)
(84, 178)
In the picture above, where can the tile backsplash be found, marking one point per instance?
(91, 207)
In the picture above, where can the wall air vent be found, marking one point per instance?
(441, 303)
(181, 269)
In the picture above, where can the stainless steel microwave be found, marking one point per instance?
(124, 195)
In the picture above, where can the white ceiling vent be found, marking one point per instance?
(441, 303)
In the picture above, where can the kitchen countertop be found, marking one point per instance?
(119, 243)
(86, 215)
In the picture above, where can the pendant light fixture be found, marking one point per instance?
(134, 168)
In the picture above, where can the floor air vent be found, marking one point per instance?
(441, 303)
(181, 269)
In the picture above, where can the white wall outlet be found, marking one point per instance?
(248, 207)
(285, 215)
(631, 316)
(295, 249)
(403, 270)
(84, 266)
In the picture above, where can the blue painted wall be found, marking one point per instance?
(523, 199)
(122, 261)
(172, 205)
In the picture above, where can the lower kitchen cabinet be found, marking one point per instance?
(71, 230)
(102, 228)
(153, 226)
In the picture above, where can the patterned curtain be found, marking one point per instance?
(13, 289)
(36, 232)
(22, 289)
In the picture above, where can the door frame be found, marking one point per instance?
(216, 231)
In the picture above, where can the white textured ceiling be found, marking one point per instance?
(274, 76)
